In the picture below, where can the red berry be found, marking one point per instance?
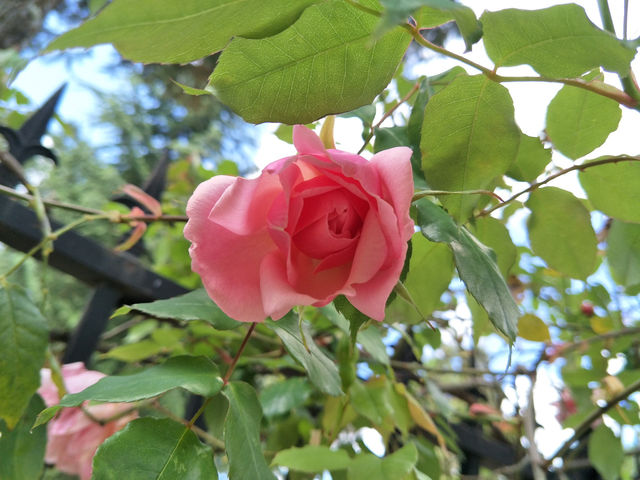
(587, 308)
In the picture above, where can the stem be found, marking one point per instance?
(206, 436)
(410, 94)
(227, 375)
(605, 16)
(584, 426)
(51, 238)
(581, 167)
(599, 338)
(625, 19)
(114, 216)
(436, 193)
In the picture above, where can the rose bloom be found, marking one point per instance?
(72, 437)
(313, 226)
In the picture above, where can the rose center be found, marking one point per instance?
(344, 222)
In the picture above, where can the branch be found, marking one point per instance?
(583, 166)
(114, 216)
(584, 426)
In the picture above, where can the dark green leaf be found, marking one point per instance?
(605, 452)
(180, 32)
(579, 121)
(23, 343)
(476, 266)
(195, 374)
(326, 62)
(623, 253)
(390, 137)
(458, 144)
(531, 160)
(282, 397)
(191, 306)
(371, 340)
(312, 459)
(559, 41)
(153, 449)
(22, 450)
(560, 232)
(242, 434)
(614, 189)
(321, 370)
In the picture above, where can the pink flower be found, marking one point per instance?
(72, 437)
(311, 227)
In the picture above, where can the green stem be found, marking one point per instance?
(51, 238)
(536, 185)
(605, 16)
(437, 193)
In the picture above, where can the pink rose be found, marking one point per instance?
(313, 226)
(72, 437)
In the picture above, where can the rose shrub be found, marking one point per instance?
(312, 226)
(73, 437)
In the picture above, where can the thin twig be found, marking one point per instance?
(584, 426)
(437, 193)
(583, 166)
(404, 99)
(206, 436)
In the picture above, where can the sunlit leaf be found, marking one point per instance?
(533, 328)
(326, 62)
(312, 459)
(559, 41)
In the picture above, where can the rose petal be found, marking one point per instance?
(307, 142)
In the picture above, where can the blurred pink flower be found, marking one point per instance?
(72, 437)
(313, 226)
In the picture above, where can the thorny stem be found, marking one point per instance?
(581, 167)
(584, 426)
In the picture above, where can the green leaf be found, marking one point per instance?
(533, 328)
(282, 397)
(22, 450)
(198, 375)
(372, 399)
(623, 253)
(579, 121)
(389, 138)
(242, 434)
(321, 370)
(560, 232)
(605, 452)
(192, 90)
(531, 160)
(559, 41)
(191, 306)
(180, 32)
(476, 266)
(371, 340)
(613, 189)
(153, 449)
(430, 273)
(135, 352)
(23, 343)
(459, 151)
(432, 14)
(437, 12)
(397, 465)
(326, 62)
(312, 459)
(492, 233)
